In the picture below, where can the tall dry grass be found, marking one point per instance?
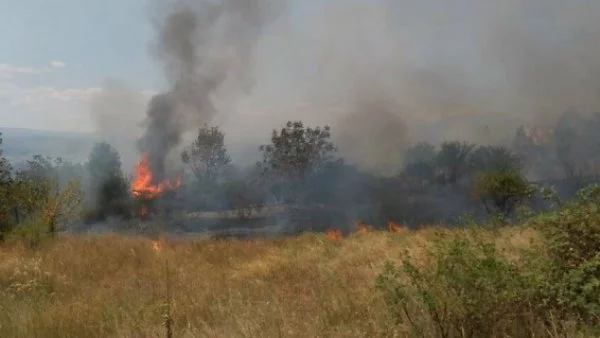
(115, 286)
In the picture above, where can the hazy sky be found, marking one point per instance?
(431, 59)
(54, 54)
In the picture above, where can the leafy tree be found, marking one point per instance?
(295, 154)
(575, 144)
(207, 155)
(42, 197)
(419, 161)
(422, 152)
(5, 167)
(107, 181)
(452, 161)
(33, 184)
(501, 191)
(61, 207)
(494, 158)
(6, 196)
(40, 168)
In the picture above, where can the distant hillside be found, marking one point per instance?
(20, 144)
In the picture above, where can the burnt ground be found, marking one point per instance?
(269, 222)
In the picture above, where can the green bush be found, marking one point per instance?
(467, 290)
(501, 192)
(572, 236)
(32, 234)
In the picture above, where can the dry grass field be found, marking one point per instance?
(114, 286)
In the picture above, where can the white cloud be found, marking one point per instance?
(47, 107)
(41, 94)
(58, 64)
(8, 71)
(40, 97)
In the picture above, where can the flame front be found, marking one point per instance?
(362, 227)
(144, 187)
(396, 228)
(334, 234)
(157, 246)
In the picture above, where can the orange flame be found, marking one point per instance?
(144, 211)
(144, 186)
(362, 227)
(396, 228)
(334, 234)
(157, 246)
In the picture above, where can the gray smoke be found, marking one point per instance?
(460, 69)
(116, 112)
(436, 70)
(206, 49)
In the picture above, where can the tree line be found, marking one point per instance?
(300, 167)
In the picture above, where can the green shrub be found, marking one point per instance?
(573, 249)
(32, 234)
(468, 289)
(501, 192)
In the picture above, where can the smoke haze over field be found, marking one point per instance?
(203, 46)
(383, 73)
(117, 112)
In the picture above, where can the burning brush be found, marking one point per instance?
(146, 189)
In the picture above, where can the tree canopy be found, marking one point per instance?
(108, 186)
(207, 156)
(296, 153)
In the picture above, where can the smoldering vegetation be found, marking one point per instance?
(437, 111)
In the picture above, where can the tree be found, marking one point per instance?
(536, 150)
(572, 150)
(422, 152)
(42, 196)
(108, 185)
(207, 155)
(494, 158)
(5, 167)
(419, 162)
(61, 207)
(452, 161)
(295, 154)
(500, 191)
(6, 195)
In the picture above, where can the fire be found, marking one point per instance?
(157, 246)
(396, 228)
(362, 227)
(144, 211)
(144, 186)
(334, 234)
(365, 228)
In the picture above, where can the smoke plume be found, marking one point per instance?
(206, 49)
(461, 69)
(117, 111)
(436, 70)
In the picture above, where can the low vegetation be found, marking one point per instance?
(525, 264)
(535, 280)
(309, 286)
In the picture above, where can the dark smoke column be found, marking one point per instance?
(161, 135)
(201, 44)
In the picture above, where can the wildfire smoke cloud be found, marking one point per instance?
(205, 47)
